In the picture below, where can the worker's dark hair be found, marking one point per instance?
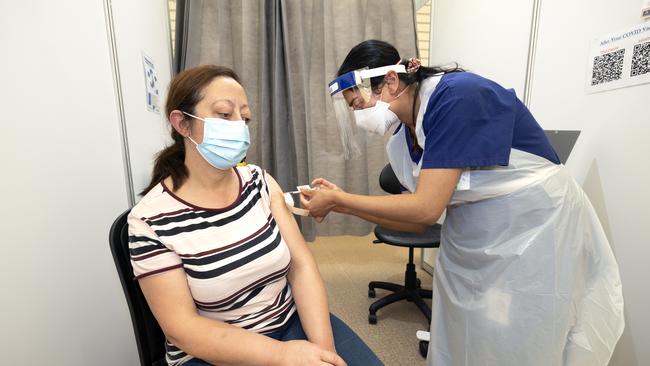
(185, 92)
(374, 53)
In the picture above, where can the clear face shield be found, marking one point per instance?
(355, 105)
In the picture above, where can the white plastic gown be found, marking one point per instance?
(525, 275)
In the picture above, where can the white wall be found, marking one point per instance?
(610, 157)
(63, 180)
(63, 184)
(143, 27)
(475, 34)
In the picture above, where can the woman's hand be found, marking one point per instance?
(304, 353)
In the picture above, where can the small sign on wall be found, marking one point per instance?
(619, 60)
(645, 10)
(151, 85)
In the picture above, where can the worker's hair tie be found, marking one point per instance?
(413, 65)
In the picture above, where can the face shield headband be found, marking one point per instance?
(361, 78)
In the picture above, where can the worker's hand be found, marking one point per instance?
(304, 353)
(319, 202)
(322, 182)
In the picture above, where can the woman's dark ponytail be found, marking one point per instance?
(169, 162)
(185, 92)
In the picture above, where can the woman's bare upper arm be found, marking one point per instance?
(170, 300)
(291, 234)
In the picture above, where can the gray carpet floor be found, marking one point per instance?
(347, 264)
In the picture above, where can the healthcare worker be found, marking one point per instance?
(525, 274)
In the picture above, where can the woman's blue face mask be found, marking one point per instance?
(225, 142)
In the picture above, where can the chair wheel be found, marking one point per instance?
(424, 348)
(419, 282)
(372, 318)
(371, 293)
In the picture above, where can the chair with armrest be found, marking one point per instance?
(149, 337)
(411, 289)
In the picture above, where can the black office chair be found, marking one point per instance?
(410, 290)
(148, 335)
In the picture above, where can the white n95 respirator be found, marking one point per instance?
(377, 119)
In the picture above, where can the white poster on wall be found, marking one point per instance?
(151, 85)
(619, 60)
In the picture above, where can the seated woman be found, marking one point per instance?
(218, 255)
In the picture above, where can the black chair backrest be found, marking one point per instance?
(388, 181)
(148, 335)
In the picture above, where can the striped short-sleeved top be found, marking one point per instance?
(235, 259)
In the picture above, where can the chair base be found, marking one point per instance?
(410, 291)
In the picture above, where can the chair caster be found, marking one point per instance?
(372, 318)
(419, 282)
(371, 293)
(424, 347)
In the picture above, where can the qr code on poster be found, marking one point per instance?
(641, 59)
(608, 67)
